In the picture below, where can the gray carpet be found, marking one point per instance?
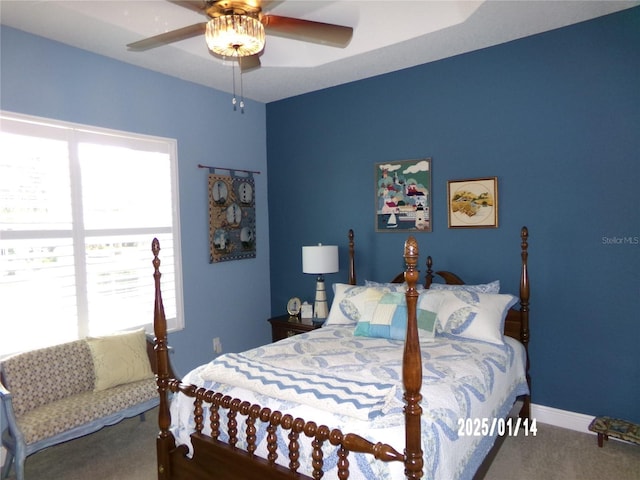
(558, 453)
(127, 452)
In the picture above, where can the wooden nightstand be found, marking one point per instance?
(286, 326)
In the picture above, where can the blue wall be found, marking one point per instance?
(556, 117)
(49, 79)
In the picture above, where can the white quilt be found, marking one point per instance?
(333, 393)
(461, 379)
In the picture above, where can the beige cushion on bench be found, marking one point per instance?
(119, 359)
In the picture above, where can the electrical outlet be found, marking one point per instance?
(217, 345)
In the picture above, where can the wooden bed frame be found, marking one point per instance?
(214, 459)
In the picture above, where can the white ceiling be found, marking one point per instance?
(388, 35)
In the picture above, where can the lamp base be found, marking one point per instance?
(320, 307)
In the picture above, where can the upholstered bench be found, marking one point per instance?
(59, 393)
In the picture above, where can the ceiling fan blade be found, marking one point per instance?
(249, 63)
(195, 5)
(168, 37)
(307, 30)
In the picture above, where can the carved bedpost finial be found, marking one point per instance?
(411, 258)
(155, 248)
(524, 278)
(352, 259)
(159, 320)
(524, 235)
(428, 277)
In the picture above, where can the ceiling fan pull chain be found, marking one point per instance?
(233, 100)
(233, 67)
(241, 90)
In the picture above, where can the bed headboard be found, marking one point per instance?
(517, 320)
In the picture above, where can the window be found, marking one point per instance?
(79, 207)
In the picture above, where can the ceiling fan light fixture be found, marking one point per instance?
(235, 35)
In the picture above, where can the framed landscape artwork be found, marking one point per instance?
(473, 203)
(403, 196)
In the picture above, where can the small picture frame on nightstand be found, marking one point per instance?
(306, 310)
(293, 306)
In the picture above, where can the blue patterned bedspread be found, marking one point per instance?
(461, 379)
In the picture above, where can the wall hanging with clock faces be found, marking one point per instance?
(232, 215)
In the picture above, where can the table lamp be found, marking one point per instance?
(318, 260)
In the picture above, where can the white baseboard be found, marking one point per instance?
(561, 418)
(543, 414)
(564, 419)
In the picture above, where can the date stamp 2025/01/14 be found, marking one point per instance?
(476, 427)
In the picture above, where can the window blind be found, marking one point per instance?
(79, 207)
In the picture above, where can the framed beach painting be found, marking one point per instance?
(473, 203)
(403, 196)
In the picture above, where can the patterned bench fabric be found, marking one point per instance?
(44, 376)
(617, 428)
(83, 408)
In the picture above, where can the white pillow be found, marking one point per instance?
(479, 316)
(119, 359)
(348, 303)
(492, 287)
(430, 300)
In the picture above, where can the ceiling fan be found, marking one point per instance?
(236, 28)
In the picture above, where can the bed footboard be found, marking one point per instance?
(235, 458)
(231, 460)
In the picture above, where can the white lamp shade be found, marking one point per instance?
(320, 259)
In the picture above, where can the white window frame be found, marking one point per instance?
(75, 134)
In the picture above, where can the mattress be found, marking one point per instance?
(354, 383)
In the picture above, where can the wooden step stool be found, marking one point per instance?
(607, 427)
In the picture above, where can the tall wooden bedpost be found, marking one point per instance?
(352, 259)
(165, 440)
(412, 368)
(524, 313)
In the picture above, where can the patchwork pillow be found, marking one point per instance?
(348, 305)
(478, 316)
(492, 287)
(386, 317)
(119, 359)
(349, 302)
